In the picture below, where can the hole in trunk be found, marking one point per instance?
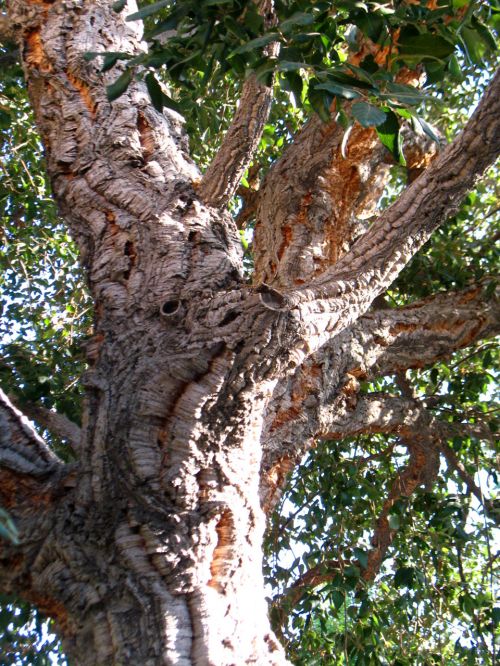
(169, 308)
(230, 316)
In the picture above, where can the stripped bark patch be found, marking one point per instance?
(15, 485)
(470, 296)
(275, 480)
(83, 91)
(346, 191)
(308, 383)
(284, 416)
(287, 235)
(146, 137)
(34, 52)
(222, 555)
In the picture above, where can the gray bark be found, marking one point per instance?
(148, 548)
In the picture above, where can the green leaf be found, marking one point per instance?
(91, 55)
(475, 48)
(118, 6)
(348, 92)
(320, 102)
(119, 86)
(389, 134)
(111, 58)
(148, 10)
(257, 43)
(171, 103)
(164, 26)
(155, 91)
(455, 69)
(404, 94)
(338, 598)
(362, 556)
(371, 24)
(426, 45)
(299, 18)
(429, 130)
(367, 114)
(485, 33)
(292, 82)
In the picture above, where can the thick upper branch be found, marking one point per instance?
(343, 293)
(223, 175)
(312, 200)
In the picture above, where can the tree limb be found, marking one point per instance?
(376, 413)
(341, 294)
(32, 483)
(420, 334)
(313, 200)
(222, 177)
(422, 468)
(57, 424)
(382, 342)
(22, 450)
(323, 191)
(425, 437)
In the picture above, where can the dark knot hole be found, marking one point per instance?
(170, 307)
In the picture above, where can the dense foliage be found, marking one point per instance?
(433, 602)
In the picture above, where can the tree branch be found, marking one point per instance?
(242, 138)
(421, 469)
(425, 438)
(341, 294)
(420, 334)
(323, 191)
(32, 483)
(57, 424)
(22, 450)
(323, 390)
(313, 200)
(376, 413)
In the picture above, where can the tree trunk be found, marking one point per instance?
(154, 553)
(148, 549)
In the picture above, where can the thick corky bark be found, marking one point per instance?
(222, 177)
(148, 548)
